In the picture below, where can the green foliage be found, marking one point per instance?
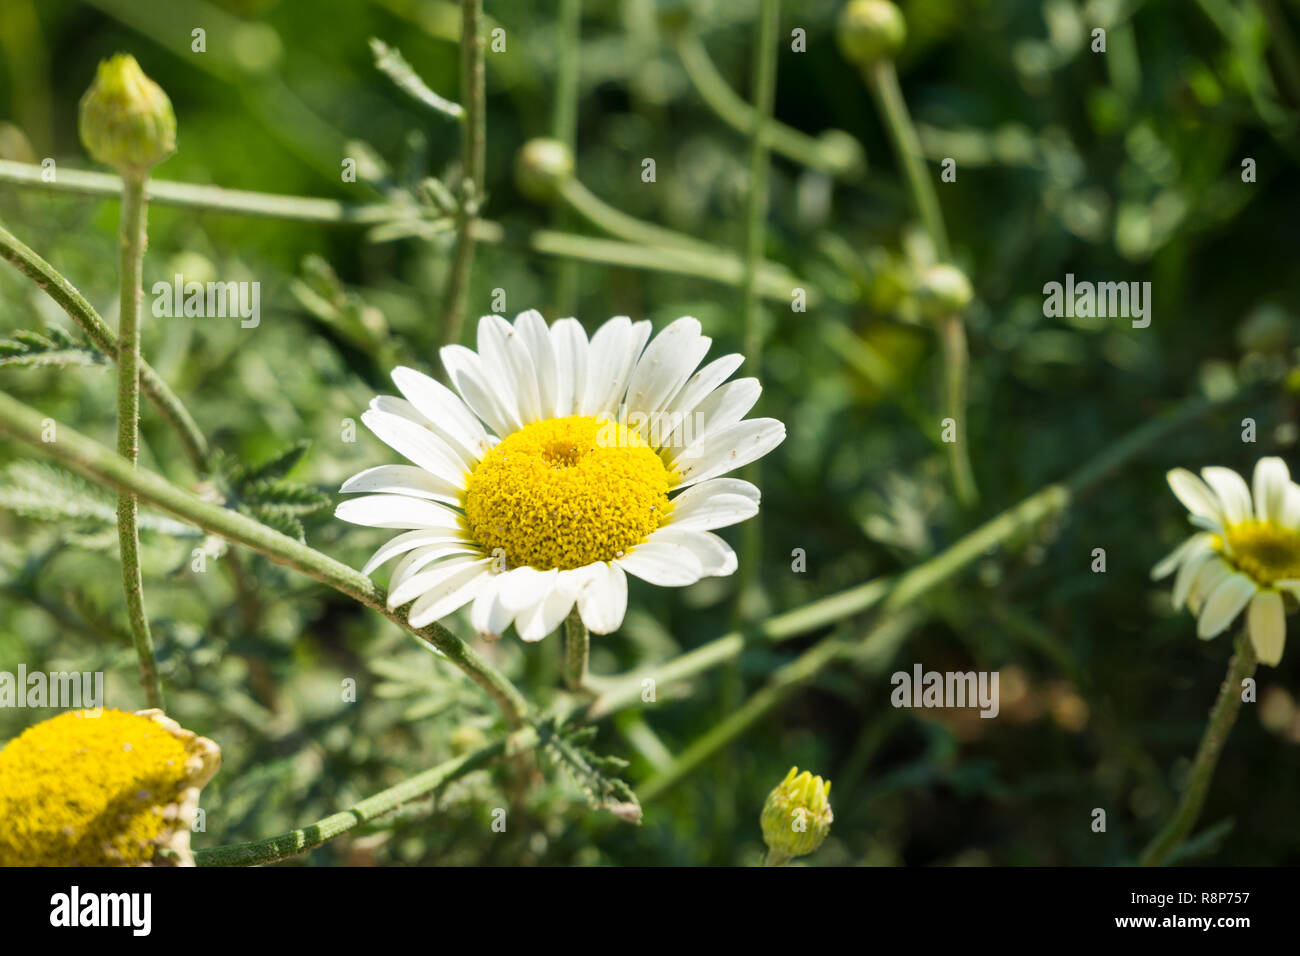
(54, 348)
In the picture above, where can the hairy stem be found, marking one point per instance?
(96, 463)
(473, 159)
(53, 284)
(131, 269)
(309, 837)
(1222, 717)
(577, 646)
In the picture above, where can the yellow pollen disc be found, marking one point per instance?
(1265, 551)
(567, 492)
(79, 790)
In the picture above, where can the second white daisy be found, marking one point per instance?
(563, 464)
(1246, 557)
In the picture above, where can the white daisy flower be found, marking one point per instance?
(548, 478)
(1246, 557)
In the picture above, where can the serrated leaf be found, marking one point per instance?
(275, 467)
(38, 490)
(281, 521)
(53, 347)
(568, 747)
(291, 498)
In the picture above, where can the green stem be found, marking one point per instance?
(306, 838)
(577, 647)
(739, 115)
(706, 262)
(53, 284)
(474, 161)
(619, 224)
(625, 691)
(776, 859)
(564, 129)
(96, 463)
(1222, 717)
(882, 78)
(131, 272)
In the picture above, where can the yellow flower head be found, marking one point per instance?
(115, 790)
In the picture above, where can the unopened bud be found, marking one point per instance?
(944, 290)
(542, 167)
(126, 120)
(796, 816)
(870, 30)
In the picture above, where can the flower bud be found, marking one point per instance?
(943, 290)
(870, 30)
(796, 815)
(126, 120)
(542, 167)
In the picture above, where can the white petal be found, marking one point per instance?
(1232, 492)
(1192, 564)
(569, 340)
(510, 366)
(728, 449)
(420, 558)
(534, 623)
(454, 592)
(524, 587)
(715, 504)
(533, 337)
(715, 555)
(1291, 586)
(687, 402)
(1170, 562)
(667, 363)
(409, 541)
(418, 445)
(602, 602)
(721, 408)
(1291, 506)
(397, 511)
(1212, 573)
(612, 355)
(1267, 624)
(489, 616)
(451, 569)
(1224, 603)
(662, 563)
(1270, 482)
(403, 480)
(1195, 495)
(479, 390)
(446, 413)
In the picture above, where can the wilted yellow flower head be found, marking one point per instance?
(797, 815)
(126, 120)
(115, 790)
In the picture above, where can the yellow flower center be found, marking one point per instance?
(1265, 551)
(80, 790)
(567, 492)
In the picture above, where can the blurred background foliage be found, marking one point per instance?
(1123, 166)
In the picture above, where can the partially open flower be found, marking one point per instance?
(1246, 557)
(119, 789)
(796, 815)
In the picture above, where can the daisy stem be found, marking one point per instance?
(95, 462)
(882, 78)
(473, 160)
(775, 859)
(564, 129)
(53, 284)
(306, 838)
(1222, 717)
(707, 263)
(577, 646)
(131, 264)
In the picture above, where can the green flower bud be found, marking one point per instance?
(870, 30)
(126, 119)
(943, 290)
(844, 151)
(542, 166)
(796, 816)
